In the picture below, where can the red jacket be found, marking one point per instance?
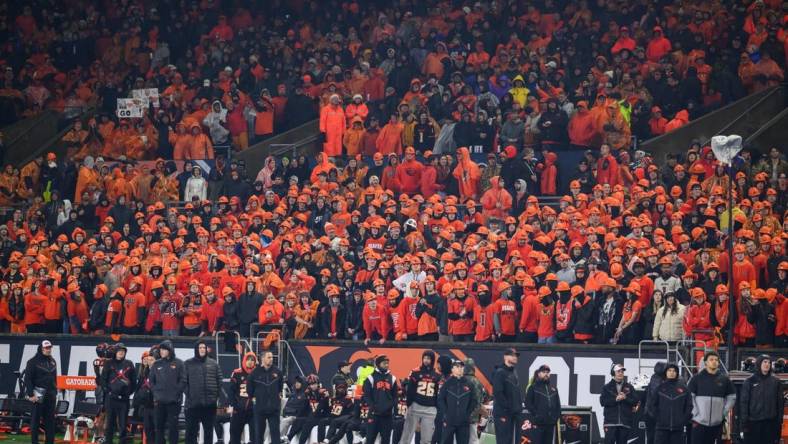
(376, 321)
(429, 179)
(609, 174)
(698, 317)
(408, 176)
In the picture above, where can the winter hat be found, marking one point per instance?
(431, 355)
(380, 359)
(445, 363)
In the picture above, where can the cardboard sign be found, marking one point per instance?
(149, 94)
(131, 108)
(83, 383)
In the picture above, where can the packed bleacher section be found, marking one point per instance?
(478, 179)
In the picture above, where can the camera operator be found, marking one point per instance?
(40, 388)
(118, 380)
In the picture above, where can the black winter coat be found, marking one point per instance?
(41, 372)
(168, 378)
(380, 393)
(265, 386)
(457, 401)
(671, 405)
(760, 397)
(543, 403)
(203, 381)
(118, 379)
(618, 413)
(507, 392)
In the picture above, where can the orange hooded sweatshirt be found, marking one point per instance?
(496, 202)
(549, 174)
(467, 174)
(332, 124)
(681, 119)
(582, 128)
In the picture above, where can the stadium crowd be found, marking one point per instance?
(441, 124)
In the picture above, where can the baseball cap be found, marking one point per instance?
(511, 352)
(46, 344)
(618, 367)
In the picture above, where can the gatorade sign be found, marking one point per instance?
(83, 383)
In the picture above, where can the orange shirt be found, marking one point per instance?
(193, 311)
(483, 316)
(34, 308)
(52, 309)
(131, 305)
(270, 313)
(507, 316)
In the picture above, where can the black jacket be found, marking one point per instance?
(457, 401)
(118, 379)
(296, 404)
(618, 413)
(203, 381)
(41, 372)
(239, 396)
(265, 386)
(380, 393)
(168, 377)
(325, 322)
(423, 386)
(543, 403)
(760, 397)
(248, 306)
(143, 397)
(671, 405)
(317, 400)
(653, 385)
(507, 392)
(231, 316)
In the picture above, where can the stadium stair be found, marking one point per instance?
(301, 140)
(758, 118)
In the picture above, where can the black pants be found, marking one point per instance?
(669, 437)
(239, 419)
(507, 338)
(428, 337)
(463, 338)
(166, 417)
(148, 424)
(705, 435)
(650, 429)
(461, 432)
(54, 326)
(117, 414)
(616, 435)
(507, 430)
(398, 423)
(763, 432)
(542, 433)
(261, 420)
(529, 337)
(36, 328)
(44, 411)
(309, 424)
(379, 425)
(196, 416)
(339, 427)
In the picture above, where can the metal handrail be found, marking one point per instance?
(292, 355)
(745, 114)
(653, 342)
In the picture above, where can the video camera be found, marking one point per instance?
(105, 351)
